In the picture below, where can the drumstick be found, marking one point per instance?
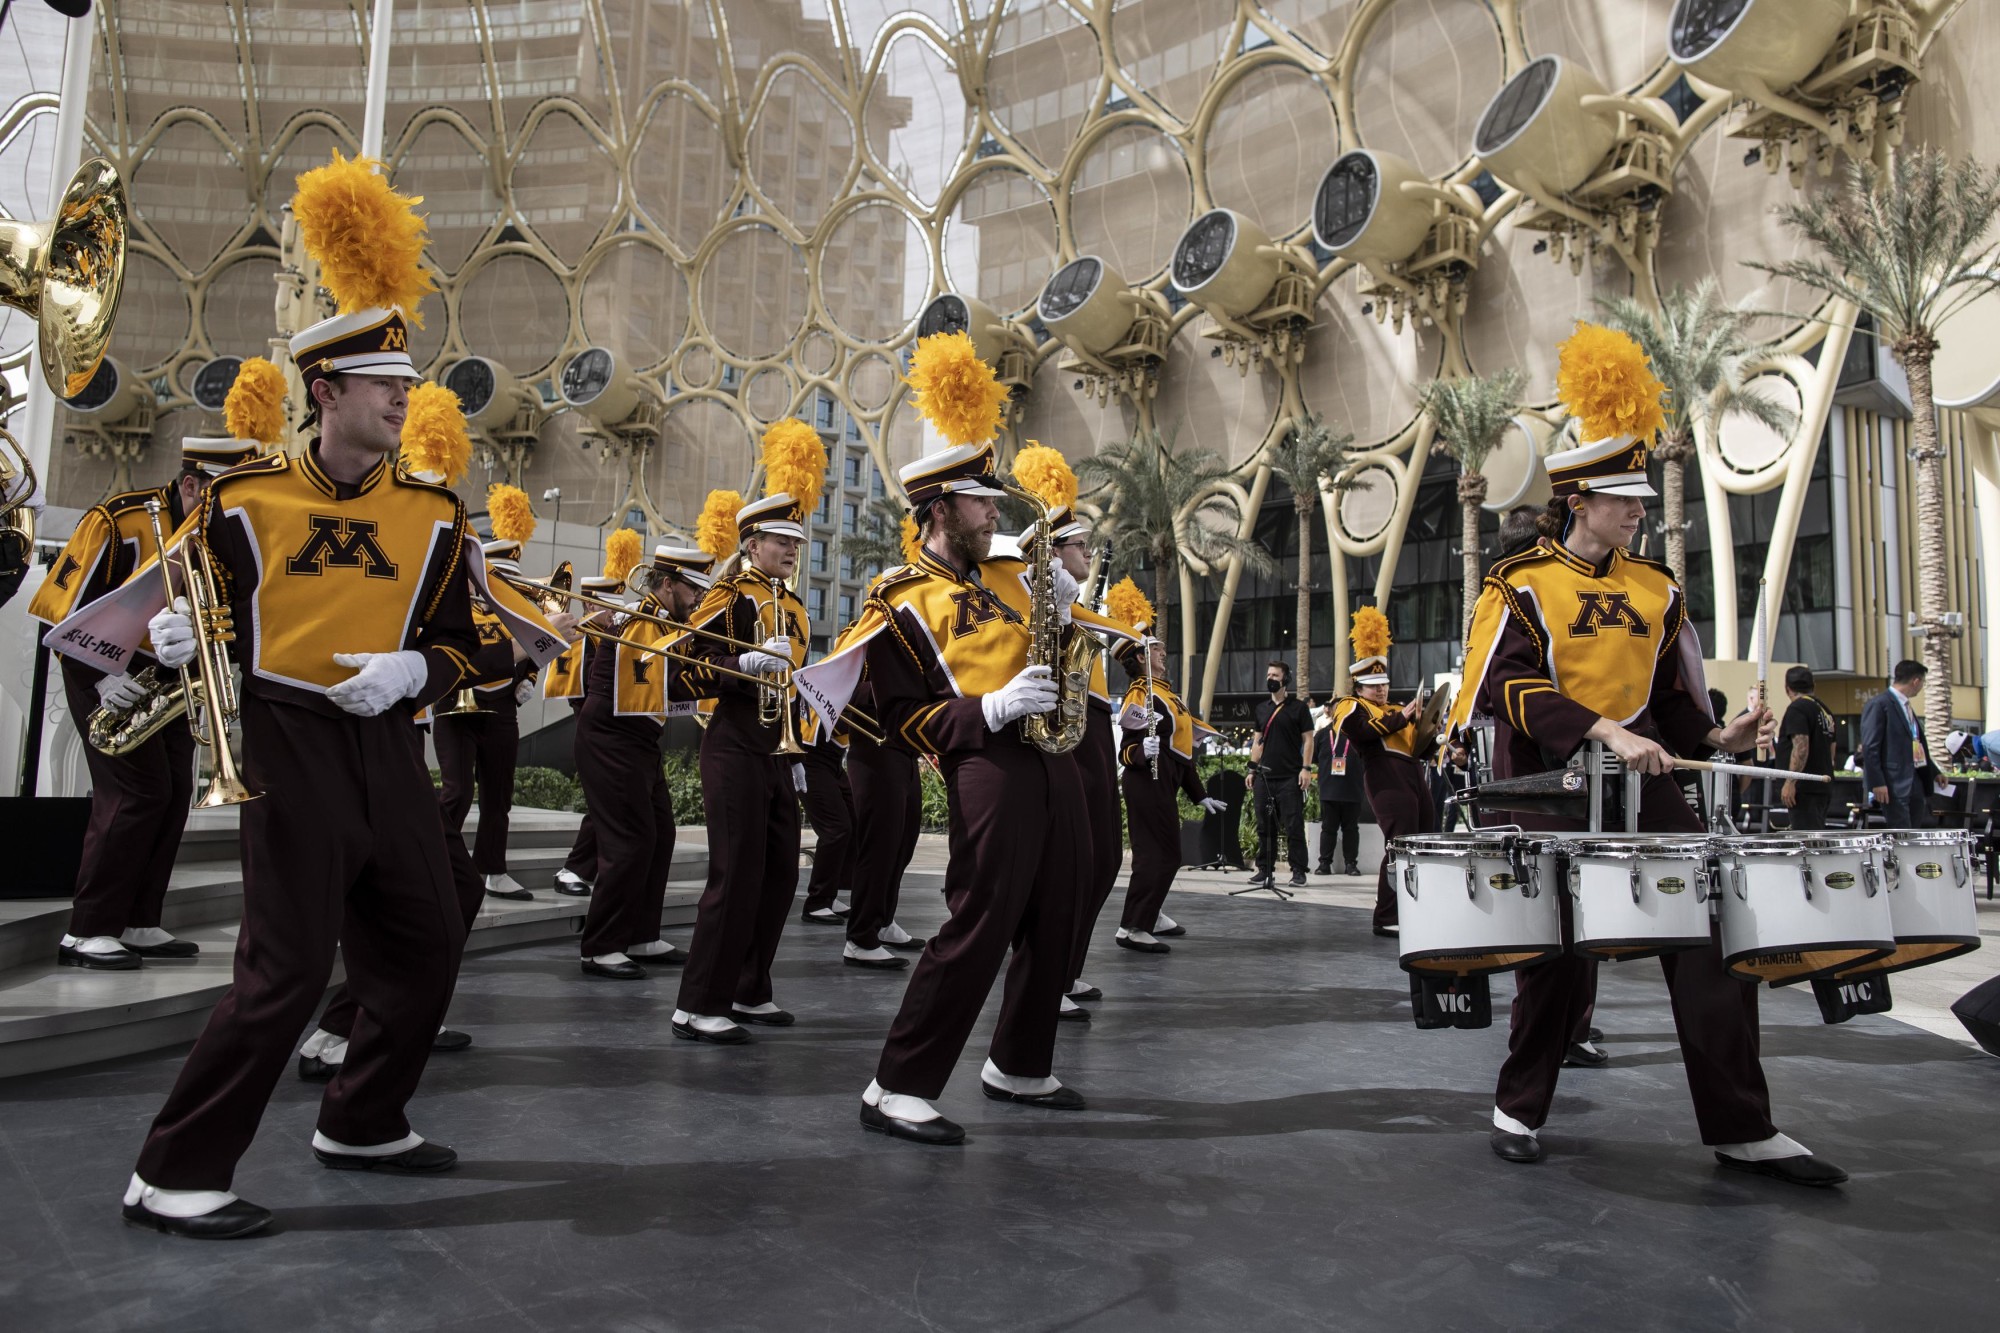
(1760, 629)
(1750, 771)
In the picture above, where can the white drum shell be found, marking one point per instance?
(1638, 906)
(1774, 930)
(1929, 876)
(1486, 922)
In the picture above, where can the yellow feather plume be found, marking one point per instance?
(715, 529)
(368, 239)
(255, 406)
(434, 438)
(513, 517)
(621, 553)
(912, 542)
(1046, 475)
(1608, 384)
(794, 461)
(1370, 635)
(1125, 602)
(956, 391)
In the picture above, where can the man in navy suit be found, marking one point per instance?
(1895, 757)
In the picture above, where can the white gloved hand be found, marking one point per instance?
(120, 691)
(1136, 719)
(1066, 590)
(382, 680)
(1215, 805)
(524, 692)
(760, 663)
(1033, 691)
(798, 777)
(173, 634)
(1150, 747)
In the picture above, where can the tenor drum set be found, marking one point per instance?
(1840, 910)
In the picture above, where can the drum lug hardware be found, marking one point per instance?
(1892, 869)
(1576, 881)
(1806, 878)
(1870, 881)
(1471, 881)
(1736, 882)
(1638, 883)
(1408, 869)
(1701, 874)
(1961, 866)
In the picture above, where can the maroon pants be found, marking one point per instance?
(888, 814)
(582, 858)
(829, 804)
(1097, 765)
(1401, 801)
(482, 747)
(753, 875)
(633, 814)
(1152, 813)
(1017, 865)
(1715, 1015)
(138, 807)
(345, 846)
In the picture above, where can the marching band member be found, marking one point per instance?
(749, 788)
(948, 664)
(889, 814)
(138, 800)
(1393, 777)
(1158, 768)
(1578, 640)
(343, 578)
(829, 804)
(483, 746)
(618, 734)
(1046, 473)
(564, 680)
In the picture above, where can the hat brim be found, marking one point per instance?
(776, 529)
(974, 488)
(1643, 489)
(1371, 680)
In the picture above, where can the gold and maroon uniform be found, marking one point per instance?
(829, 803)
(138, 801)
(1152, 805)
(748, 797)
(1557, 643)
(1019, 848)
(346, 844)
(1392, 778)
(481, 749)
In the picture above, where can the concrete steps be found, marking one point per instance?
(58, 1017)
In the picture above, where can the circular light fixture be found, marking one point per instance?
(1536, 132)
(1753, 45)
(1225, 263)
(1085, 304)
(111, 395)
(1361, 212)
(595, 382)
(213, 381)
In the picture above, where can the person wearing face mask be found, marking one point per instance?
(1398, 792)
(1278, 776)
(1577, 640)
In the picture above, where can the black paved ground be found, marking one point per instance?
(1270, 1145)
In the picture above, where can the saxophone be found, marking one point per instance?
(1060, 731)
(123, 730)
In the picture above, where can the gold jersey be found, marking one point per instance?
(313, 574)
(1165, 701)
(1379, 721)
(109, 542)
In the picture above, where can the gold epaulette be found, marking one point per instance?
(270, 464)
(403, 478)
(894, 576)
(1506, 564)
(126, 501)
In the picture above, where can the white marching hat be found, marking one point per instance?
(1615, 465)
(688, 562)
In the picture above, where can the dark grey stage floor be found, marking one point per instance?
(1270, 1144)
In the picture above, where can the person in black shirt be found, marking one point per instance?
(1278, 777)
(1805, 745)
(1340, 796)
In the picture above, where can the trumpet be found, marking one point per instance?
(774, 696)
(209, 691)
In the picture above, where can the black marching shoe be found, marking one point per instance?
(625, 971)
(1582, 1055)
(423, 1160)
(171, 949)
(1800, 1170)
(1087, 993)
(775, 1018)
(1518, 1147)
(1076, 1015)
(1147, 945)
(890, 964)
(733, 1036)
(312, 1069)
(822, 916)
(571, 885)
(451, 1039)
(1595, 1036)
(910, 945)
(122, 961)
(1389, 931)
(938, 1133)
(234, 1219)
(1062, 1099)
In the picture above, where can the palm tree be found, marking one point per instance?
(877, 541)
(1697, 344)
(1162, 505)
(1310, 456)
(1907, 248)
(1472, 412)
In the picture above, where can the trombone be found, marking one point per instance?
(210, 690)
